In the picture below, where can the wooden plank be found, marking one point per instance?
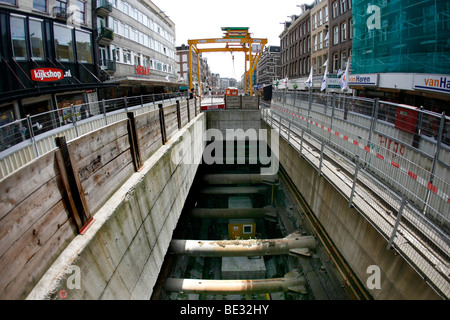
(39, 263)
(25, 215)
(90, 143)
(101, 185)
(19, 185)
(96, 160)
(150, 144)
(147, 119)
(34, 240)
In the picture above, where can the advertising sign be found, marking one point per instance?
(436, 83)
(363, 80)
(47, 74)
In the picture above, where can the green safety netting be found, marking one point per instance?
(411, 36)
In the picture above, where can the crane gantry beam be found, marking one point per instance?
(236, 39)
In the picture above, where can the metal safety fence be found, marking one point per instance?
(26, 139)
(395, 154)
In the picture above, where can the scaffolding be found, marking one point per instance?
(236, 39)
(401, 36)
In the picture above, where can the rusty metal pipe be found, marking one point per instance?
(238, 248)
(224, 287)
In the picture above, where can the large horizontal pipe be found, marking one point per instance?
(233, 190)
(240, 178)
(241, 213)
(224, 287)
(238, 248)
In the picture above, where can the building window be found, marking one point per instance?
(320, 40)
(335, 9)
(319, 14)
(343, 32)
(40, 5)
(84, 47)
(314, 66)
(335, 62)
(325, 39)
(325, 14)
(37, 41)
(63, 43)
(343, 6)
(116, 54)
(126, 56)
(350, 28)
(80, 12)
(343, 60)
(315, 43)
(18, 38)
(336, 35)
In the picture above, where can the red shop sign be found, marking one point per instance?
(140, 70)
(47, 74)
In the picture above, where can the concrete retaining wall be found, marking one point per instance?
(121, 254)
(361, 245)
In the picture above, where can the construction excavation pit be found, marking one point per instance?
(244, 235)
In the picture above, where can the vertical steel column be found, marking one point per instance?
(397, 222)
(301, 143)
(33, 139)
(289, 133)
(74, 120)
(435, 161)
(373, 124)
(355, 180)
(104, 111)
(321, 158)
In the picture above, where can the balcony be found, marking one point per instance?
(60, 13)
(108, 65)
(104, 8)
(105, 36)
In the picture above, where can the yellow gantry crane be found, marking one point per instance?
(236, 39)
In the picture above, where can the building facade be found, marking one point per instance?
(340, 34)
(48, 60)
(269, 66)
(142, 49)
(319, 36)
(401, 52)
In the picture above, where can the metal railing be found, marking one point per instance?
(25, 139)
(404, 162)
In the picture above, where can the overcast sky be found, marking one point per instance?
(198, 19)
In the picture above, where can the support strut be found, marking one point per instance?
(291, 282)
(238, 248)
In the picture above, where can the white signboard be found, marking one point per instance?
(436, 83)
(363, 80)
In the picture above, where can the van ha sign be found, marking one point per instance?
(363, 80)
(436, 83)
(47, 74)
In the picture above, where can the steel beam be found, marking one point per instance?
(239, 248)
(291, 282)
(240, 178)
(233, 190)
(244, 213)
